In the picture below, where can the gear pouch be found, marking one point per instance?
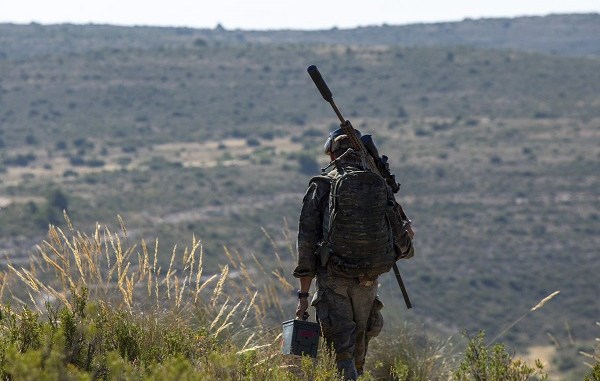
(323, 252)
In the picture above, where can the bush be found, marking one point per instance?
(77, 161)
(594, 375)
(481, 362)
(20, 160)
(83, 143)
(411, 355)
(57, 199)
(308, 165)
(95, 163)
(252, 142)
(93, 337)
(51, 211)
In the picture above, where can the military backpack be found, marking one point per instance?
(358, 240)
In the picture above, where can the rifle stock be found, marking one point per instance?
(399, 218)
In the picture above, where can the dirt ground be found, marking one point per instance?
(544, 353)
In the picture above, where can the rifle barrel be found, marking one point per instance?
(337, 112)
(402, 288)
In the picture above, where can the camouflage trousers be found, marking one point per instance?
(348, 311)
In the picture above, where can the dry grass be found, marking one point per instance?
(593, 359)
(239, 305)
(126, 276)
(539, 305)
(217, 327)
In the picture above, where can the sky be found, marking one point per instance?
(277, 14)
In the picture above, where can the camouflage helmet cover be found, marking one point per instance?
(337, 140)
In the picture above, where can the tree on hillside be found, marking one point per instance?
(51, 212)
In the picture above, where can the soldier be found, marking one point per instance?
(346, 302)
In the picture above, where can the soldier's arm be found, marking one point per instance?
(310, 228)
(303, 296)
(310, 233)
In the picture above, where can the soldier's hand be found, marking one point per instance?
(301, 309)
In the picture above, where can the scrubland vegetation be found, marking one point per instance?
(100, 308)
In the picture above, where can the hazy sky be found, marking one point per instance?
(277, 14)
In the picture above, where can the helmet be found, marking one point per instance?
(337, 140)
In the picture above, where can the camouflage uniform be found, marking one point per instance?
(347, 308)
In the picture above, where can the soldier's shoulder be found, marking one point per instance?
(323, 179)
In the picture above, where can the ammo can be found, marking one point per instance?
(300, 337)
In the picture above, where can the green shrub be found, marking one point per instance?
(410, 355)
(482, 363)
(308, 164)
(594, 375)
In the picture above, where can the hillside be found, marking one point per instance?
(569, 35)
(555, 34)
(194, 132)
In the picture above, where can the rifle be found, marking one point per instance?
(374, 162)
